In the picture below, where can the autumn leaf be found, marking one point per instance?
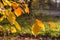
(6, 2)
(52, 25)
(17, 26)
(2, 16)
(39, 23)
(1, 5)
(35, 29)
(13, 30)
(18, 11)
(12, 19)
(10, 16)
(14, 5)
(26, 8)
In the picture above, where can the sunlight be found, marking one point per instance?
(56, 1)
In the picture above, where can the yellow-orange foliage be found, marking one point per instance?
(35, 29)
(18, 11)
(39, 23)
(13, 30)
(52, 25)
(14, 5)
(26, 8)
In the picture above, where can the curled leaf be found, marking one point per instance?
(35, 29)
(52, 25)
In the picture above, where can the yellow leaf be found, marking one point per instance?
(52, 25)
(13, 30)
(4, 2)
(39, 23)
(1, 5)
(18, 11)
(10, 16)
(12, 19)
(2, 18)
(35, 29)
(8, 2)
(27, 9)
(17, 26)
(14, 5)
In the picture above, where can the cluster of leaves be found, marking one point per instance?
(38, 28)
(10, 10)
(45, 29)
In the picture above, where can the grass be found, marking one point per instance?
(27, 21)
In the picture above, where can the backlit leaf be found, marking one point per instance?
(39, 23)
(2, 16)
(26, 8)
(35, 29)
(18, 11)
(14, 5)
(18, 27)
(13, 30)
(9, 3)
(4, 2)
(1, 5)
(12, 19)
(10, 16)
(52, 25)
